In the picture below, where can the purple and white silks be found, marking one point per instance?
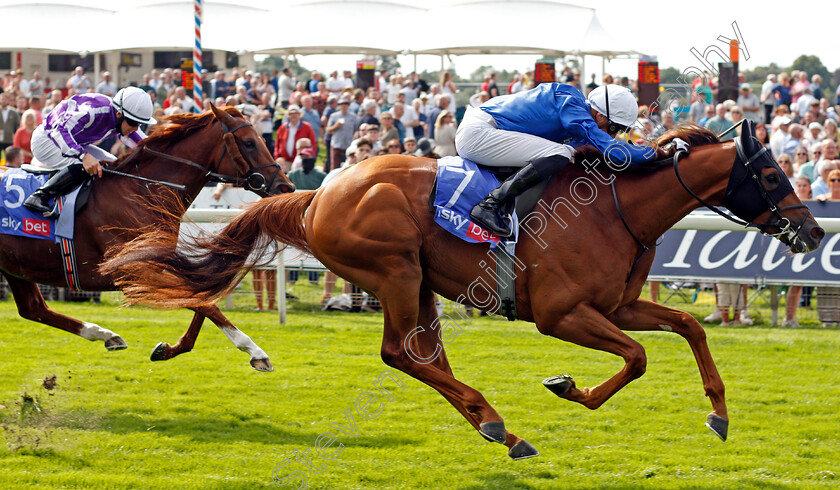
(83, 120)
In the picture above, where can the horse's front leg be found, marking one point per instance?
(587, 327)
(31, 305)
(642, 315)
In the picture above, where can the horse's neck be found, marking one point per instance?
(656, 202)
(170, 170)
(150, 166)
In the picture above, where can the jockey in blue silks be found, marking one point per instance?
(538, 130)
(66, 139)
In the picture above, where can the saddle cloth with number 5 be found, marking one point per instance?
(15, 219)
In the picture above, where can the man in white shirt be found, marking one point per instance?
(333, 85)
(749, 103)
(245, 80)
(804, 102)
(410, 119)
(780, 137)
(186, 103)
(347, 79)
(23, 83)
(78, 81)
(106, 87)
(285, 87)
(767, 98)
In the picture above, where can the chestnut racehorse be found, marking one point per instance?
(189, 150)
(579, 276)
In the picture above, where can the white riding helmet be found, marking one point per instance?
(622, 107)
(135, 105)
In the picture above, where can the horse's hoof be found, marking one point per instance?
(559, 385)
(159, 353)
(263, 365)
(115, 343)
(718, 425)
(493, 431)
(523, 450)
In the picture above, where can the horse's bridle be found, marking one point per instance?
(252, 180)
(747, 164)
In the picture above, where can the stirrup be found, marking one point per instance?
(51, 212)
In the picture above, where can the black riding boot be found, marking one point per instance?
(493, 212)
(59, 184)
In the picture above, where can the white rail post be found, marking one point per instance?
(281, 284)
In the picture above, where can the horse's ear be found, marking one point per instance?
(748, 140)
(223, 116)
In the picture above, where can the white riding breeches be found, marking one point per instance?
(479, 139)
(49, 155)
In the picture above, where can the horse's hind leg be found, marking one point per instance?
(586, 327)
(31, 305)
(430, 349)
(644, 315)
(259, 359)
(164, 351)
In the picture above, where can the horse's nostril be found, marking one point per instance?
(818, 233)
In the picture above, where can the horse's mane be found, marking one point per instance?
(691, 133)
(175, 127)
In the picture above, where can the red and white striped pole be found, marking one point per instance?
(197, 95)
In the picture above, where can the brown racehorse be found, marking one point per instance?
(188, 150)
(579, 279)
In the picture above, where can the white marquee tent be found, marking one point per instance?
(297, 27)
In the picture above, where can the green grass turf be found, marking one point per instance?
(207, 420)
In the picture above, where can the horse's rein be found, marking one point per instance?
(213, 175)
(644, 247)
(787, 228)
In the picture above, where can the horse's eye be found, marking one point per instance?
(772, 179)
(250, 144)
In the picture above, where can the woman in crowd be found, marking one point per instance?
(447, 87)
(833, 182)
(445, 134)
(786, 164)
(300, 90)
(830, 130)
(264, 86)
(802, 187)
(761, 134)
(800, 157)
(23, 136)
(782, 91)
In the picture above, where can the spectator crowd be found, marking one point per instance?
(331, 119)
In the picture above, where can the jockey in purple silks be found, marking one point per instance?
(66, 139)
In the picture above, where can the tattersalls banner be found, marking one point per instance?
(747, 257)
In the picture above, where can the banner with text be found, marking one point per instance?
(747, 257)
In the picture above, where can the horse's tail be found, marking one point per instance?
(150, 269)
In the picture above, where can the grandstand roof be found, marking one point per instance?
(298, 27)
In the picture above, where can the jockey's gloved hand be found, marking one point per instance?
(676, 145)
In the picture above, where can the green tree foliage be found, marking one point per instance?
(278, 63)
(670, 75)
(388, 63)
(759, 73)
(812, 65)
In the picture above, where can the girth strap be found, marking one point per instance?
(68, 257)
(505, 283)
